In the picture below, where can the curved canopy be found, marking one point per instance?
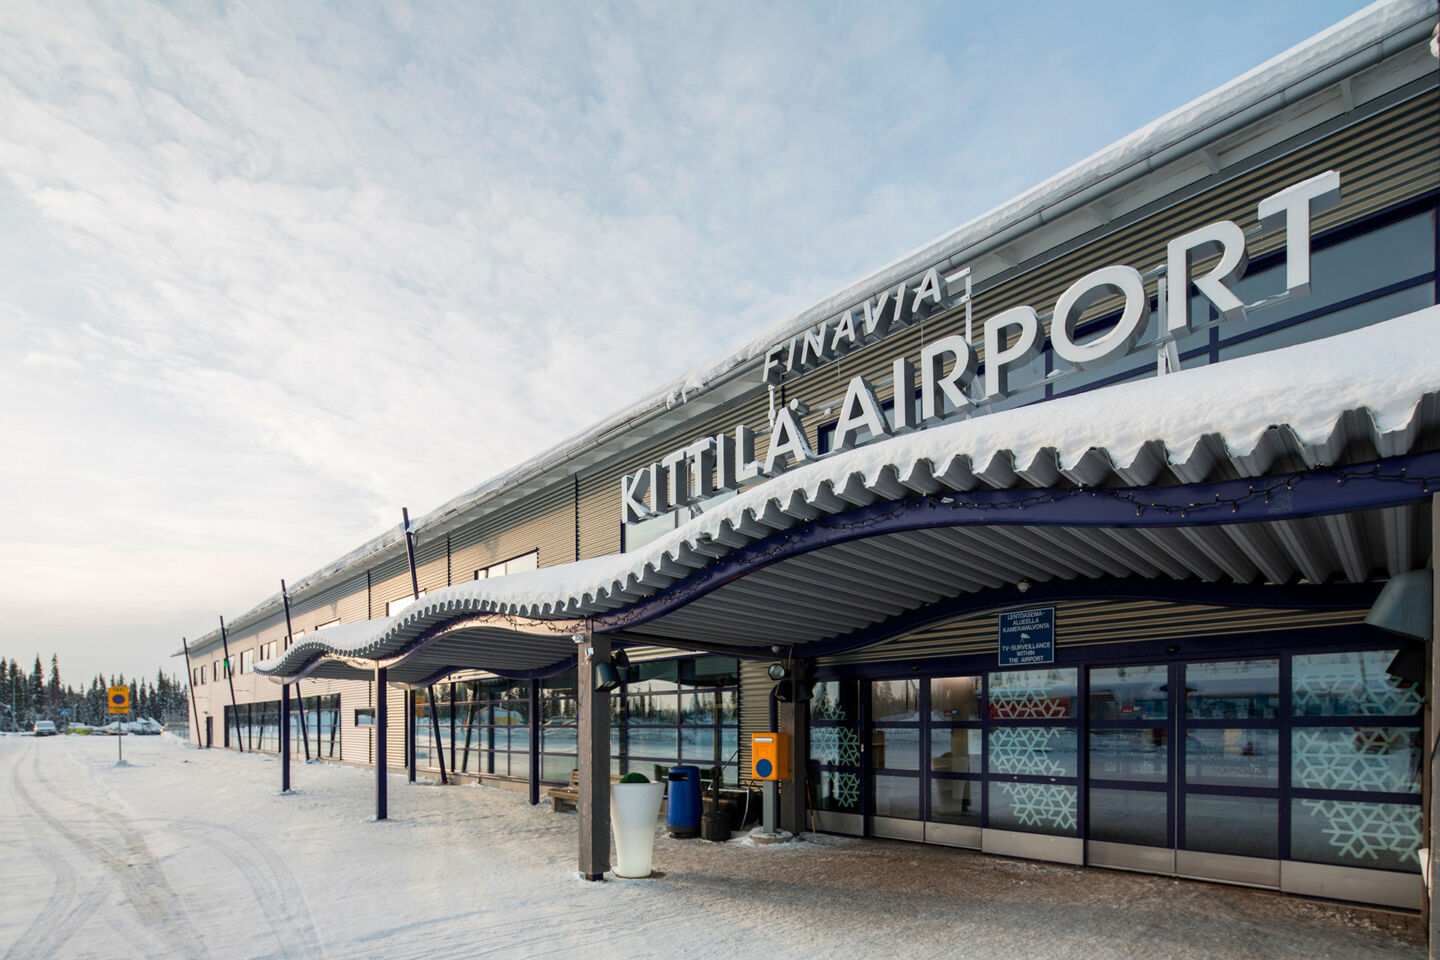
(1154, 478)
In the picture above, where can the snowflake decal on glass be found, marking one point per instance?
(1026, 695)
(1041, 804)
(1024, 750)
(835, 745)
(828, 709)
(1350, 684)
(1362, 831)
(1355, 758)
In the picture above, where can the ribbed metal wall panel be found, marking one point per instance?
(545, 522)
(1089, 622)
(395, 732)
(347, 600)
(355, 742)
(390, 580)
(755, 686)
(432, 563)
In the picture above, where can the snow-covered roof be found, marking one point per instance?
(1313, 404)
(1359, 41)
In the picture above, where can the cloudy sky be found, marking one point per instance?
(270, 271)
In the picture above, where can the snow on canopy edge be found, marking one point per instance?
(1385, 369)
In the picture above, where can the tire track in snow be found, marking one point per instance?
(67, 906)
(277, 894)
(273, 886)
(139, 874)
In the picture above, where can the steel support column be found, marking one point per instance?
(299, 700)
(230, 678)
(794, 718)
(409, 735)
(1432, 716)
(432, 708)
(191, 685)
(534, 742)
(284, 738)
(593, 759)
(381, 798)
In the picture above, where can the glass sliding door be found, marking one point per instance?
(1229, 804)
(895, 781)
(1130, 794)
(955, 738)
(1032, 763)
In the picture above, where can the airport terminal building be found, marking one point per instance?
(1097, 531)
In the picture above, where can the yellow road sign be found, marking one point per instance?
(119, 699)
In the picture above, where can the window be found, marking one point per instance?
(328, 624)
(364, 716)
(520, 564)
(395, 606)
(247, 661)
(315, 726)
(666, 712)
(484, 725)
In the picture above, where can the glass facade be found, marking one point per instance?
(1290, 755)
(259, 726)
(664, 713)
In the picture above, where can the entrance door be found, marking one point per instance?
(925, 759)
(1183, 769)
(209, 731)
(1130, 789)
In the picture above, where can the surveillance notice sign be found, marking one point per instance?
(1027, 636)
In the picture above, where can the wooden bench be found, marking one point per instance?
(569, 795)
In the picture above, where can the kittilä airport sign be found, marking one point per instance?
(947, 367)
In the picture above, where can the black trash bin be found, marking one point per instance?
(682, 818)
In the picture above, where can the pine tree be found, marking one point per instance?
(36, 693)
(52, 690)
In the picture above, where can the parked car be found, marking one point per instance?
(142, 727)
(45, 728)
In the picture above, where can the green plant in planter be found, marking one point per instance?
(633, 777)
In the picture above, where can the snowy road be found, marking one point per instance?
(193, 854)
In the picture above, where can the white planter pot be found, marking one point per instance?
(634, 810)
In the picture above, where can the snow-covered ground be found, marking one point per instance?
(191, 854)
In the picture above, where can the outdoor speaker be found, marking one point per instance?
(607, 678)
(1406, 605)
(789, 691)
(1409, 664)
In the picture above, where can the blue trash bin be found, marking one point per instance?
(682, 818)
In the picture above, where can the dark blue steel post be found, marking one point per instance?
(284, 738)
(230, 676)
(190, 686)
(410, 735)
(534, 742)
(300, 701)
(381, 799)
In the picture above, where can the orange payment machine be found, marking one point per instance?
(770, 763)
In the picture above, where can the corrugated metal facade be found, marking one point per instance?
(545, 523)
(347, 600)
